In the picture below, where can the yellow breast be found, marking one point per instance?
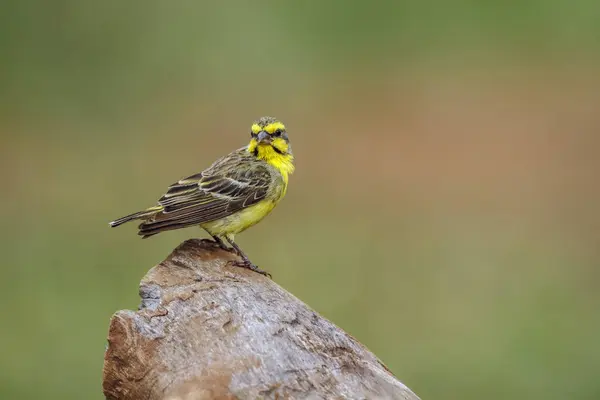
(241, 220)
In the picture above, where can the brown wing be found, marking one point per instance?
(231, 184)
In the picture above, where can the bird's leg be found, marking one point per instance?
(245, 263)
(220, 242)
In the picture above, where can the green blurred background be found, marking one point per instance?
(445, 208)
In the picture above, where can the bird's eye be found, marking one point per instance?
(277, 132)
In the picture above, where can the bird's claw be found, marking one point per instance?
(250, 266)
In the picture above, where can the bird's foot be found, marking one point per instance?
(247, 264)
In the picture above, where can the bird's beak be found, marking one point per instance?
(263, 137)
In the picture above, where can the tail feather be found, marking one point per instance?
(146, 233)
(138, 215)
(147, 229)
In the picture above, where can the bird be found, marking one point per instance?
(236, 192)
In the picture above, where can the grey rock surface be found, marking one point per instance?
(207, 330)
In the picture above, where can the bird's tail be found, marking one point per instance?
(138, 215)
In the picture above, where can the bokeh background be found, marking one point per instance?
(445, 209)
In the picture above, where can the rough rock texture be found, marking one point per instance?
(207, 330)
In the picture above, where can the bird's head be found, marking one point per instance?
(269, 139)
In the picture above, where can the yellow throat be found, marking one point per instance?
(284, 163)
